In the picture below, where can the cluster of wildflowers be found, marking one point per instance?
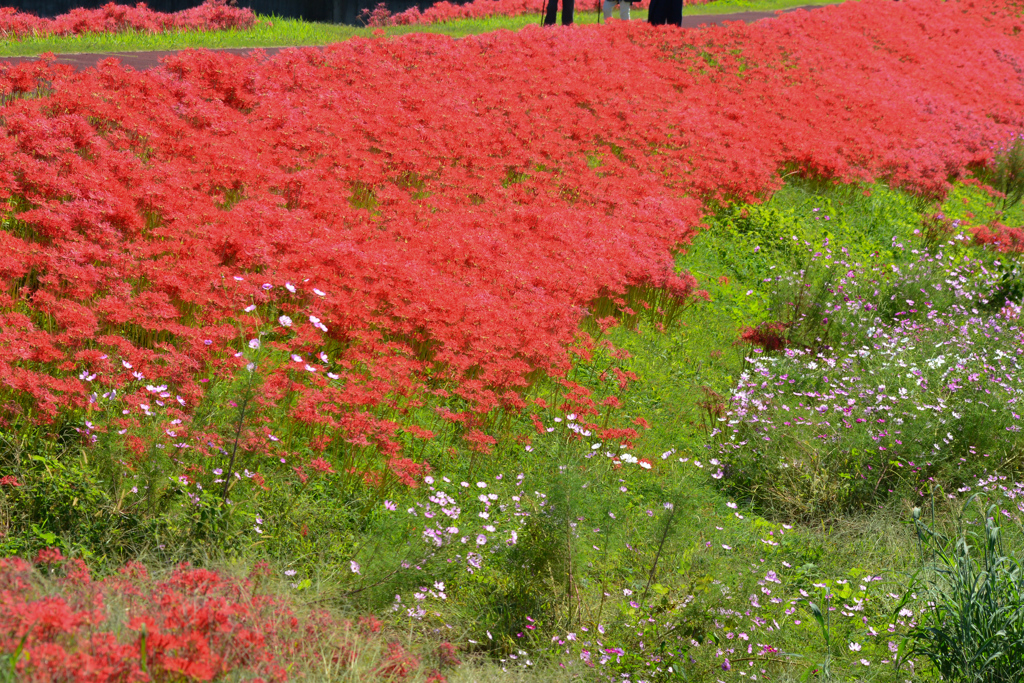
(212, 15)
(917, 381)
(736, 624)
(470, 530)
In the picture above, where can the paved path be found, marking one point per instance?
(148, 60)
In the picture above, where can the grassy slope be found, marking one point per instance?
(279, 32)
(676, 367)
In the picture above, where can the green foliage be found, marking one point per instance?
(792, 243)
(973, 628)
(103, 492)
(1006, 174)
(67, 497)
(971, 205)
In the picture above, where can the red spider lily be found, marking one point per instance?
(769, 336)
(196, 624)
(320, 465)
(1004, 238)
(212, 15)
(448, 655)
(398, 664)
(49, 556)
(442, 212)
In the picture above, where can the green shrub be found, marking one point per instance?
(881, 374)
(973, 628)
(1005, 173)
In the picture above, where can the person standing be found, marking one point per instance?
(552, 11)
(624, 7)
(666, 12)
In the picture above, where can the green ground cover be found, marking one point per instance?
(282, 32)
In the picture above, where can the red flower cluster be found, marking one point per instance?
(1003, 238)
(195, 625)
(212, 15)
(769, 336)
(396, 217)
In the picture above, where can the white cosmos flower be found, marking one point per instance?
(285, 321)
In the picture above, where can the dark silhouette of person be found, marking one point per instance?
(552, 11)
(665, 12)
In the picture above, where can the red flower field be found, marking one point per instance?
(212, 15)
(387, 218)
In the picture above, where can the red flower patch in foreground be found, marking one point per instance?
(195, 624)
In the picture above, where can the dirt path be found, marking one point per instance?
(148, 60)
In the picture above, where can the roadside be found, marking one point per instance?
(148, 59)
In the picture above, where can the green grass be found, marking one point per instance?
(281, 32)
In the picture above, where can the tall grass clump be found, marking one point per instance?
(1005, 173)
(972, 630)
